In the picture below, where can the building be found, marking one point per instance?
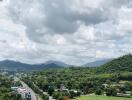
(25, 93)
(14, 88)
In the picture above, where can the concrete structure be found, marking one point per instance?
(25, 93)
(14, 88)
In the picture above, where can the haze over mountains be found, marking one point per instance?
(97, 63)
(123, 63)
(59, 63)
(11, 65)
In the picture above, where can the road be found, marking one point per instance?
(33, 94)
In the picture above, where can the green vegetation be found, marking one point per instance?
(111, 79)
(94, 97)
(123, 63)
(5, 89)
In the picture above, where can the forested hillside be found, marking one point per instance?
(9, 65)
(123, 63)
(5, 88)
(85, 80)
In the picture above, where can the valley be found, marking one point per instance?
(73, 82)
(111, 81)
(65, 49)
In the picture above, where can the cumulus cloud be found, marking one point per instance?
(73, 31)
(54, 17)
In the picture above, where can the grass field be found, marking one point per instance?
(93, 97)
(0, 97)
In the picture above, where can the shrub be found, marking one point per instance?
(111, 91)
(98, 92)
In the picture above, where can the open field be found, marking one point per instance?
(93, 97)
(1, 96)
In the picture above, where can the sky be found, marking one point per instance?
(71, 31)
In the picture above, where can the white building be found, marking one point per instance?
(25, 93)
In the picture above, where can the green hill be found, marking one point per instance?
(120, 64)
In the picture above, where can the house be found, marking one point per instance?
(62, 87)
(25, 93)
(105, 85)
(123, 95)
(14, 88)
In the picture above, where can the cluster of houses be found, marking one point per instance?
(126, 94)
(64, 89)
(25, 93)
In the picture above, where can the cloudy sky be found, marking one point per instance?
(72, 31)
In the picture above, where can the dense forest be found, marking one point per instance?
(112, 79)
(5, 88)
(123, 63)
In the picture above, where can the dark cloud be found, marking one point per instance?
(62, 19)
(74, 31)
(53, 17)
(3, 41)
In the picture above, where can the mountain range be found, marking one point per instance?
(10, 65)
(108, 65)
(97, 63)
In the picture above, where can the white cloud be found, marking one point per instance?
(73, 31)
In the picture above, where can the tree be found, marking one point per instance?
(98, 91)
(78, 94)
(50, 90)
(56, 95)
(72, 94)
(61, 98)
(18, 97)
(45, 97)
(110, 91)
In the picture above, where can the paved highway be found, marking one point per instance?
(33, 94)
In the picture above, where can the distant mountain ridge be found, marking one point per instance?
(57, 63)
(123, 63)
(11, 65)
(97, 63)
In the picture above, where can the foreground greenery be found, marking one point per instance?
(95, 97)
(111, 79)
(5, 88)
